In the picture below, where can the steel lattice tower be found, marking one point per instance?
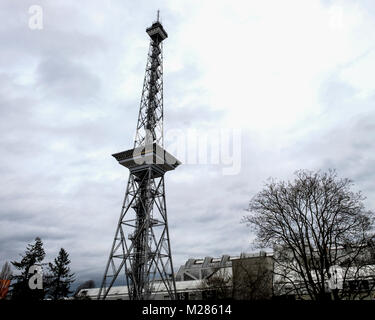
(141, 252)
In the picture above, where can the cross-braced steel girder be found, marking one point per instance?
(141, 252)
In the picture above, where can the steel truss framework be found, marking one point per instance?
(150, 117)
(140, 252)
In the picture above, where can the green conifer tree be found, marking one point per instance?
(60, 277)
(34, 255)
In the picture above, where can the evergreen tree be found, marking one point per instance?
(34, 255)
(60, 277)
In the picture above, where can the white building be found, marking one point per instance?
(189, 278)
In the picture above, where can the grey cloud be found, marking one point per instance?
(59, 128)
(71, 81)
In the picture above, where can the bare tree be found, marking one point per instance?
(5, 278)
(316, 225)
(252, 278)
(217, 286)
(6, 272)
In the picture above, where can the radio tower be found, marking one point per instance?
(141, 254)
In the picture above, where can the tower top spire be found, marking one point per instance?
(158, 16)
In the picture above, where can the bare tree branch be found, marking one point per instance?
(321, 223)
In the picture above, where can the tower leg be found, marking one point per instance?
(141, 252)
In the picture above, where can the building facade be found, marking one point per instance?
(233, 276)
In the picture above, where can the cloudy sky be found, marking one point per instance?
(291, 82)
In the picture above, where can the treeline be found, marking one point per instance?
(37, 280)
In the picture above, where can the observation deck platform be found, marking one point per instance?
(140, 159)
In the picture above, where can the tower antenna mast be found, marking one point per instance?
(140, 256)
